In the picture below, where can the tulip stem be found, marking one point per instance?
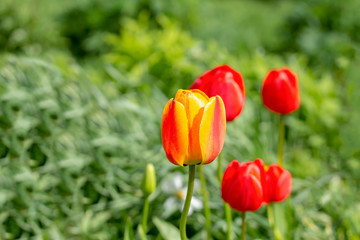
(189, 193)
(227, 208)
(228, 220)
(281, 140)
(270, 207)
(243, 227)
(145, 214)
(219, 169)
(271, 218)
(206, 202)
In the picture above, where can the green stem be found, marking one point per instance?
(145, 214)
(228, 220)
(270, 207)
(281, 140)
(187, 202)
(219, 169)
(206, 202)
(227, 208)
(271, 218)
(243, 231)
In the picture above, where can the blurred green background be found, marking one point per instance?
(83, 84)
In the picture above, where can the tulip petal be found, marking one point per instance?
(231, 94)
(175, 132)
(253, 194)
(283, 186)
(194, 102)
(230, 175)
(245, 193)
(200, 95)
(212, 129)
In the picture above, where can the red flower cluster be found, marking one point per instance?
(247, 185)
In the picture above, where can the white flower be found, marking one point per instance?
(177, 191)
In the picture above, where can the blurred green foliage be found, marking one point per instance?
(84, 25)
(25, 26)
(168, 57)
(326, 31)
(82, 89)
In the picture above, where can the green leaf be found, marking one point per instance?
(141, 233)
(128, 235)
(280, 218)
(167, 230)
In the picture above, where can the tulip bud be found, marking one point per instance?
(228, 84)
(148, 184)
(280, 91)
(241, 186)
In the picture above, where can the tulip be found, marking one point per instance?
(276, 182)
(193, 132)
(228, 84)
(280, 91)
(193, 128)
(241, 186)
(148, 186)
(148, 183)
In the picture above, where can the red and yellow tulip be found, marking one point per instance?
(193, 128)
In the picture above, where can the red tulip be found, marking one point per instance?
(193, 128)
(276, 182)
(241, 186)
(228, 84)
(280, 92)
